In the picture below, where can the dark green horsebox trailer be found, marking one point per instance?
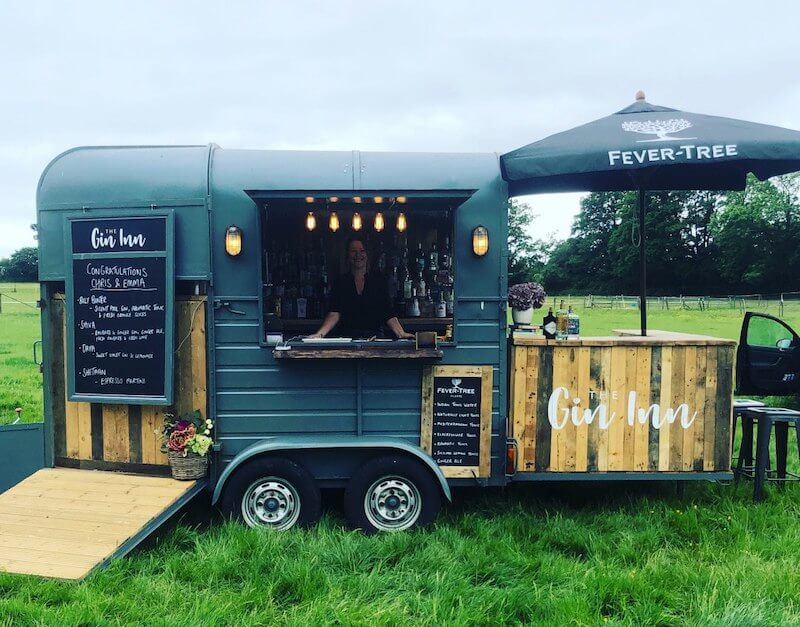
(184, 281)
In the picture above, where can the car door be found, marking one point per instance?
(768, 357)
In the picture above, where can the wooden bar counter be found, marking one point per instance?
(625, 403)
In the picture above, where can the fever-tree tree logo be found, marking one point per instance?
(661, 128)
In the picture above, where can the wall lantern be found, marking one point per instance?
(309, 199)
(401, 199)
(311, 221)
(401, 222)
(378, 200)
(379, 223)
(357, 222)
(334, 199)
(480, 241)
(357, 200)
(233, 240)
(333, 223)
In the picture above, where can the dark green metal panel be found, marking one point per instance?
(21, 452)
(127, 178)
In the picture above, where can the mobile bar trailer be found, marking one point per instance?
(183, 278)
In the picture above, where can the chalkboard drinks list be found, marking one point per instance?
(456, 421)
(120, 310)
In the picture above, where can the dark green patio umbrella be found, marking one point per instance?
(646, 147)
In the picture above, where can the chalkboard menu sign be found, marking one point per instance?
(120, 296)
(456, 418)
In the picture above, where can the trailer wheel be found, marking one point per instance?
(391, 493)
(272, 493)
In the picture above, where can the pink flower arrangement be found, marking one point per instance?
(190, 433)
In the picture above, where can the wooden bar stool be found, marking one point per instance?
(744, 460)
(766, 418)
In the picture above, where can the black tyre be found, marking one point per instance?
(272, 493)
(391, 493)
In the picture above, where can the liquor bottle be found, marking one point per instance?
(441, 306)
(549, 325)
(444, 257)
(562, 321)
(407, 286)
(433, 258)
(420, 284)
(573, 324)
(412, 310)
(419, 260)
(449, 303)
(428, 306)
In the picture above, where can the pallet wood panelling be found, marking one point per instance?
(622, 404)
(125, 434)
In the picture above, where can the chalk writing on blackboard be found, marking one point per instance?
(456, 425)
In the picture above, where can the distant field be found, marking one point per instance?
(20, 380)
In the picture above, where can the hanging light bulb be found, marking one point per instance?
(333, 223)
(379, 223)
(357, 222)
(401, 222)
(311, 221)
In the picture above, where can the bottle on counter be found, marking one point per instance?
(444, 258)
(412, 310)
(449, 302)
(441, 306)
(549, 325)
(562, 322)
(573, 324)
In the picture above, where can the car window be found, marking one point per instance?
(766, 332)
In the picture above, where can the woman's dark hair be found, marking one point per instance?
(356, 238)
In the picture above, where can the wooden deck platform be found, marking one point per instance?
(63, 522)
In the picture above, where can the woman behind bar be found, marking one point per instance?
(359, 301)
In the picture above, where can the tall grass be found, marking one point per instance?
(575, 554)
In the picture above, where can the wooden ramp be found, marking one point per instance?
(63, 522)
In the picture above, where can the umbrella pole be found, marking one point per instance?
(642, 265)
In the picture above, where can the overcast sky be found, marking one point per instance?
(428, 76)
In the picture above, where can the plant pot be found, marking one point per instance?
(522, 316)
(193, 466)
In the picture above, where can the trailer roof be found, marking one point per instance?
(111, 176)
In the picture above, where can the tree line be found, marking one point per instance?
(697, 242)
(21, 265)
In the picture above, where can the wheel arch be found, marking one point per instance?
(299, 443)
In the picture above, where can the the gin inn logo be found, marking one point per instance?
(664, 131)
(563, 408)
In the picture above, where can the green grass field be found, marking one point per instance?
(20, 380)
(562, 554)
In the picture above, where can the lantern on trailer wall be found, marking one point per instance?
(357, 222)
(379, 222)
(311, 221)
(401, 222)
(233, 240)
(480, 241)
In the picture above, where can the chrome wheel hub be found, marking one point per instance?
(271, 502)
(392, 504)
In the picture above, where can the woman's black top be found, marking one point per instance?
(361, 315)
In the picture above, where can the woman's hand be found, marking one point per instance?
(405, 335)
(314, 336)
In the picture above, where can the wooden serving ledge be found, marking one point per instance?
(357, 352)
(625, 337)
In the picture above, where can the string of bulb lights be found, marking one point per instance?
(357, 222)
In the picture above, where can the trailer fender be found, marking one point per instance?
(283, 443)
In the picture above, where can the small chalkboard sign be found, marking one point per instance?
(120, 310)
(456, 418)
